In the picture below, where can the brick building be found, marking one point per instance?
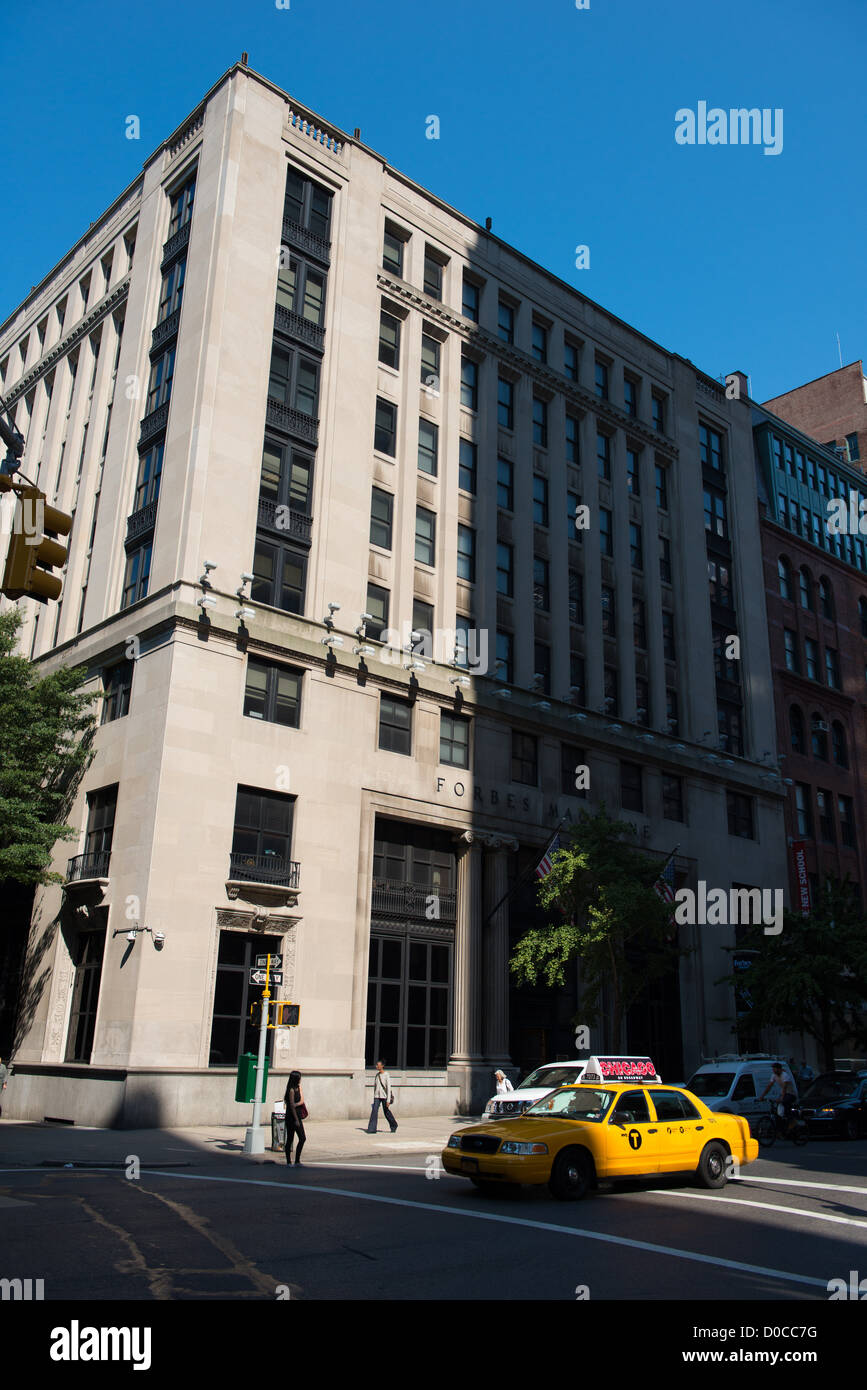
(832, 409)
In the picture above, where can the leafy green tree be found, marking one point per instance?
(605, 914)
(46, 733)
(812, 977)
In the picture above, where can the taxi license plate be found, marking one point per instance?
(470, 1165)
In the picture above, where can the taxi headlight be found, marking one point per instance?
(454, 1142)
(511, 1146)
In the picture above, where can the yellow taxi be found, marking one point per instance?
(579, 1134)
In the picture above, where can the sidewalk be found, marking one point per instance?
(30, 1144)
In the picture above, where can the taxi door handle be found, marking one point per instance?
(699, 1126)
(651, 1131)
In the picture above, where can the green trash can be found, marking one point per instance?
(245, 1086)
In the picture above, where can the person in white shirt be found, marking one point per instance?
(503, 1083)
(384, 1096)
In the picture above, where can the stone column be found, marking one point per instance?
(466, 1063)
(496, 953)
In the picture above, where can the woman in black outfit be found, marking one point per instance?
(296, 1113)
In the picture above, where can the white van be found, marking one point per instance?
(553, 1074)
(732, 1084)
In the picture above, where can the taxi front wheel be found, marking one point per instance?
(571, 1175)
(712, 1166)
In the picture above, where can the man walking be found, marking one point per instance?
(384, 1096)
(4, 1072)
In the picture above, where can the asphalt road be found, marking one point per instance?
(385, 1229)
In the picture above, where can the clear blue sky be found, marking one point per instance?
(557, 122)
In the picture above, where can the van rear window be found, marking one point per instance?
(711, 1084)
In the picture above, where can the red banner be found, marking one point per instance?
(799, 859)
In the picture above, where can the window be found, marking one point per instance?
(467, 457)
(784, 575)
(825, 806)
(672, 797)
(671, 711)
(801, 467)
(803, 810)
(433, 275)
(720, 579)
(279, 574)
(232, 1029)
(160, 383)
(181, 206)
(630, 396)
(262, 840)
(657, 412)
(395, 725)
(783, 508)
(150, 469)
(811, 473)
(631, 790)
(726, 667)
(541, 584)
(660, 474)
(847, 823)
(542, 668)
(425, 536)
(392, 252)
(740, 815)
(572, 447)
(505, 669)
(540, 500)
(307, 204)
(389, 339)
(832, 668)
(408, 1002)
(811, 652)
(117, 687)
(796, 730)
(469, 384)
(301, 291)
(838, 740)
(610, 689)
(789, 456)
(576, 677)
(87, 956)
(294, 381)
(805, 586)
(381, 512)
(430, 362)
(852, 445)
(601, 378)
(467, 553)
(636, 558)
(573, 501)
(540, 422)
(606, 537)
(576, 597)
(505, 484)
(285, 481)
(505, 322)
(423, 622)
(505, 575)
(571, 758)
(137, 575)
(524, 759)
(633, 476)
(273, 693)
(710, 447)
(454, 740)
(428, 446)
(639, 627)
(470, 300)
(385, 428)
(665, 559)
(819, 736)
(505, 404)
(540, 342)
(609, 616)
(377, 606)
(826, 599)
(603, 455)
(570, 360)
(730, 727)
(172, 290)
(715, 517)
(463, 627)
(668, 646)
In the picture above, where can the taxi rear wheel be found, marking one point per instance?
(712, 1166)
(571, 1175)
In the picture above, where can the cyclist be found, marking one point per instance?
(784, 1097)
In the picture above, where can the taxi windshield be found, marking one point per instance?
(584, 1104)
(711, 1083)
(553, 1076)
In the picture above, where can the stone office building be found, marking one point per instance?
(326, 441)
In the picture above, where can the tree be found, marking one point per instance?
(601, 888)
(812, 977)
(46, 734)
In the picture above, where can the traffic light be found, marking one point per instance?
(34, 549)
(288, 1016)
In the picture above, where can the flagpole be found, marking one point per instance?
(531, 868)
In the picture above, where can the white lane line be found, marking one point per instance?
(798, 1182)
(603, 1237)
(762, 1206)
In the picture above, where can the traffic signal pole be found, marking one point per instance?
(254, 1139)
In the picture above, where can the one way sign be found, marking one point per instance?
(259, 977)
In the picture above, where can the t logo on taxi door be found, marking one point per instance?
(635, 1139)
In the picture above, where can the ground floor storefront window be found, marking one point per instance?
(232, 1029)
(89, 951)
(408, 1001)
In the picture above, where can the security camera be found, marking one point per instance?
(248, 578)
(209, 564)
(159, 940)
(244, 612)
(130, 936)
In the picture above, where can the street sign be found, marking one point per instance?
(260, 977)
(276, 962)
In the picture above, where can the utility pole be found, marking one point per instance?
(254, 1139)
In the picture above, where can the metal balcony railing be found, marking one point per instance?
(140, 522)
(307, 241)
(153, 423)
(176, 243)
(284, 519)
(264, 868)
(395, 898)
(283, 417)
(165, 330)
(294, 326)
(83, 866)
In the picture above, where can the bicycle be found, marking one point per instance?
(768, 1128)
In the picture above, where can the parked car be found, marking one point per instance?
(836, 1103)
(733, 1084)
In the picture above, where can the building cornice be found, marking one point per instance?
(81, 330)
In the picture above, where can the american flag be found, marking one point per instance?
(544, 866)
(664, 885)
